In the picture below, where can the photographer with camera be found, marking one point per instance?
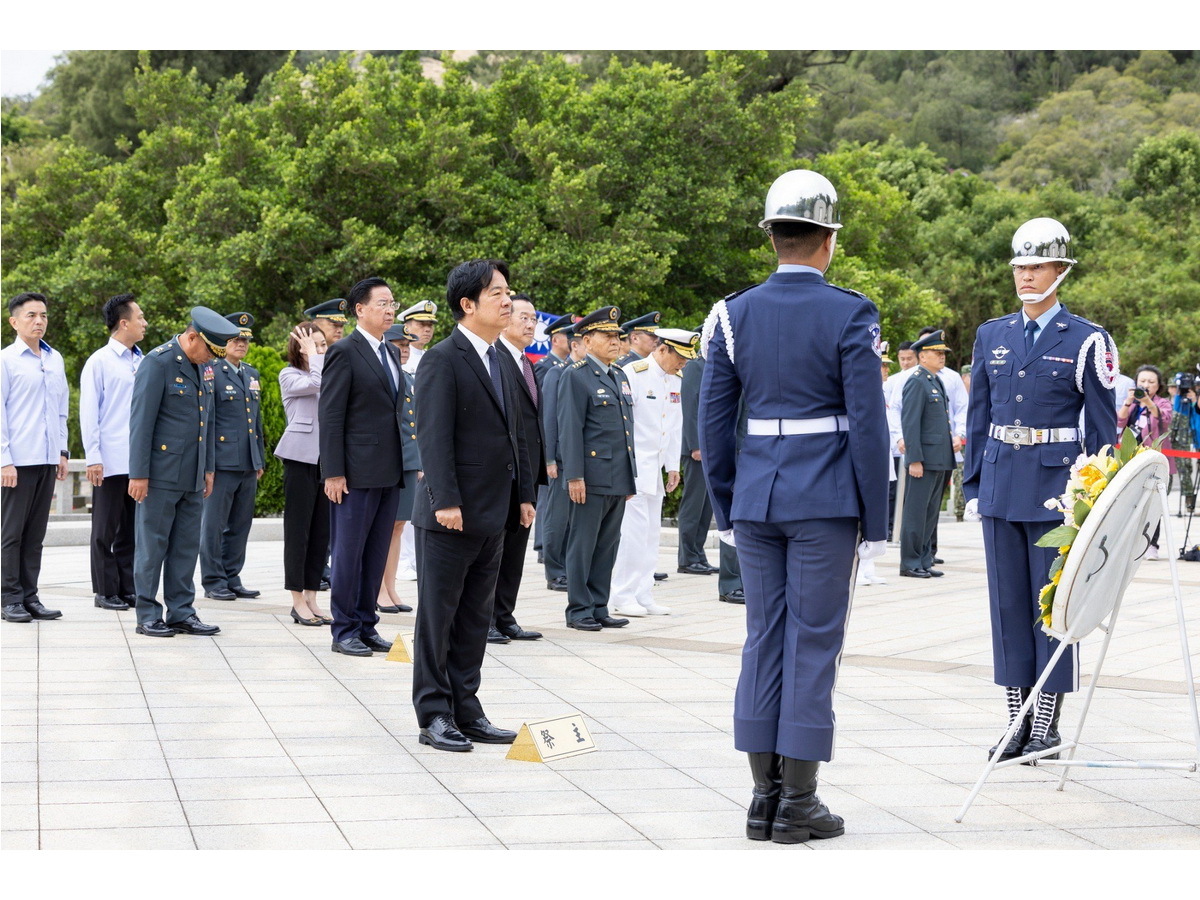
(1148, 415)
(1185, 426)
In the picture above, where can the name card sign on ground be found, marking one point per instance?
(401, 649)
(552, 739)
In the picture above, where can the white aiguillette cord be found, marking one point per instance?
(720, 312)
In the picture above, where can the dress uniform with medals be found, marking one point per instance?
(808, 484)
(556, 510)
(240, 459)
(1030, 380)
(657, 433)
(647, 324)
(170, 443)
(925, 427)
(595, 441)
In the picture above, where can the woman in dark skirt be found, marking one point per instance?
(388, 600)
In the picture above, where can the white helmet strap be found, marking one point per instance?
(1038, 298)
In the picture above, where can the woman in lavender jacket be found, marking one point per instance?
(305, 506)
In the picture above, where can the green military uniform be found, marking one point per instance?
(647, 323)
(595, 443)
(170, 428)
(240, 455)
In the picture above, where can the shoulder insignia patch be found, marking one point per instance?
(641, 365)
(739, 293)
(578, 364)
(855, 293)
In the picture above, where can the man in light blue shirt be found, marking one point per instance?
(33, 453)
(105, 395)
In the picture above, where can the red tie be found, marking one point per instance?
(530, 381)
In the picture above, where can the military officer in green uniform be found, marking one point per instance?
(642, 338)
(928, 456)
(171, 464)
(238, 441)
(330, 317)
(595, 443)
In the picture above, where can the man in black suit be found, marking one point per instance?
(513, 341)
(477, 482)
(361, 463)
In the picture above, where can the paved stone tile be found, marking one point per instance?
(145, 814)
(310, 836)
(409, 834)
(139, 839)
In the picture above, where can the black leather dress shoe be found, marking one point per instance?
(661, 576)
(391, 610)
(376, 643)
(158, 628)
(696, 569)
(737, 595)
(324, 585)
(935, 573)
(612, 622)
(443, 734)
(245, 593)
(352, 647)
(485, 732)
(585, 624)
(193, 625)
(914, 573)
(34, 608)
(495, 637)
(220, 594)
(129, 600)
(557, 584)
(517, 633)
(937, 560)
(15, 612)
(102, 602)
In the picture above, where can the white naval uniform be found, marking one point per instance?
(406, 568)
(657, 435)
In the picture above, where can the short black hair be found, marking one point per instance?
(115, 309)
(798, 238)
(521, 295)
(21, 299)
(468, 280)
(904, 345)
(928, 329)
(361, 292)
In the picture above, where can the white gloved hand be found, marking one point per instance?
(871, 550)
(726, 537)
(971, 513)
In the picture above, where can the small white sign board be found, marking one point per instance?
(552, 739)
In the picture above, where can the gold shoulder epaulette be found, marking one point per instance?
(641, 365)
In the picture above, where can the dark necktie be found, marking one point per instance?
(387, 370)
(530, 381)
(1030, 328)
(494, 370)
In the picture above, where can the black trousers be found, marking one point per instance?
(361, 529)
(305, 526)
(456, 583)
(695, 514)
(25, 510)
(112, 537)
(508, 578)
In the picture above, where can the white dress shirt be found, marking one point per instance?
(481, 346)
(105, 397)
(414, 357)
(33, 428)
(392, 367)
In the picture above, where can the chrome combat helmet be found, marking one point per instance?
(801, 195)
(1041, 241)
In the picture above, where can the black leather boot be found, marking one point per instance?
(1016, 698)
(1044, 733)
(801, 814)
(765, 767)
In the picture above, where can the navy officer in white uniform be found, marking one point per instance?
(1034, 372)
(806, 489)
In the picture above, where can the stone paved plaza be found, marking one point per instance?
(261, 738)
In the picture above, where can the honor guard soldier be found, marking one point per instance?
(238, 440)
(330, 317)
(172, 460)
(418, 320)
(1034, 373)
(595, 439)
(928, 454)
(809, 482)
(558, 504)
(641, 333)
(657, 433)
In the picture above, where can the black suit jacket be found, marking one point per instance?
(531, 424)
(359, 418)
(470, 448)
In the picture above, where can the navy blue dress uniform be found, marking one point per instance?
(695, 510)
(540, 368)
(808, 483)
(648, 324)
(240, 459)
(170, 443)
(555, 512)
(925, 423)
(1023, 436)
(595, 442)
(408, 433)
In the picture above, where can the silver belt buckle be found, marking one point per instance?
(1018, 434)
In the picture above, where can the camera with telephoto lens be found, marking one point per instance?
(1185, 381)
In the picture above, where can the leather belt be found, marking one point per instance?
(797, 426)
(1021, 434)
